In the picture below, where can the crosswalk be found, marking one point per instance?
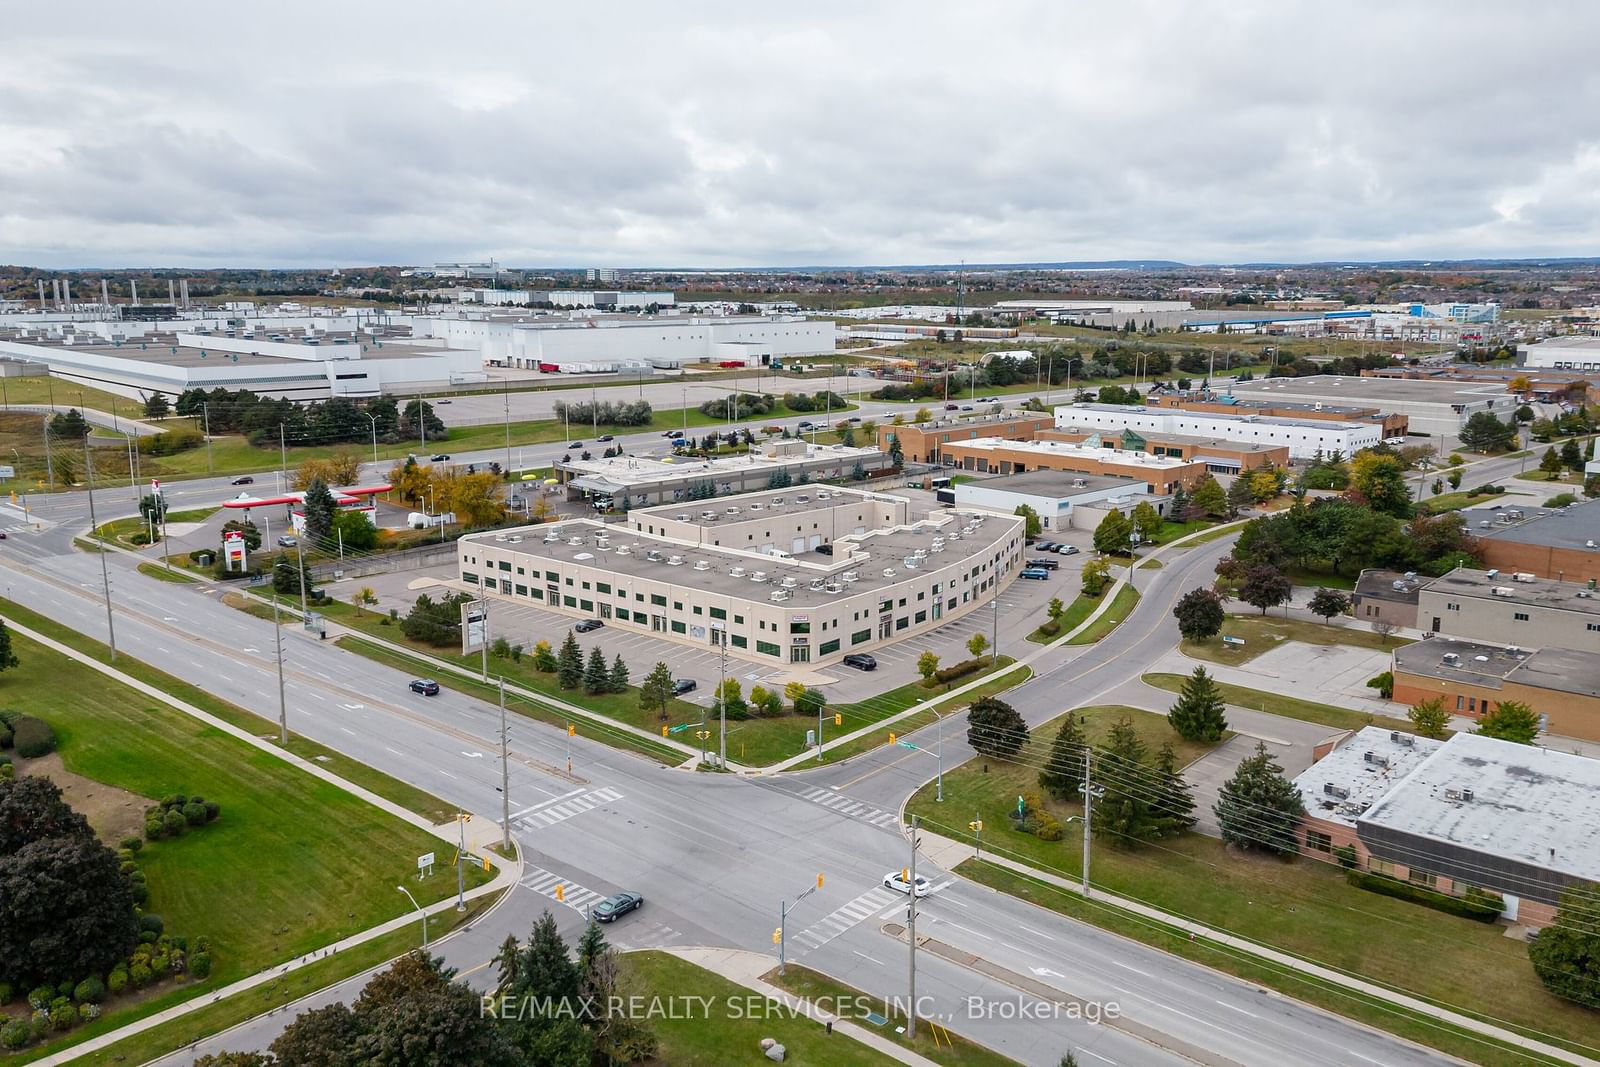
(562, 809)
(845, 916)
(845, 806)
(573, 895)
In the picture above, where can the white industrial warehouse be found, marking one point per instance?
(1303, 437)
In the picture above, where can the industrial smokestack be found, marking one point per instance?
(105, 293)
(66, 288)
(183, 287)
(133, 288)
(41, 294)
(55, 293)
(172, 296)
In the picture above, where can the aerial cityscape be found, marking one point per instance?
(504, 515)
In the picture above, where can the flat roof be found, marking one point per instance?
(1227, 416)
(1540, 592)
(1380, 585)
(765, 504)
(1355, 412)
(1530, 804)
(1075, 451)
(645, 470)
(1572, 527)
(1374, 391)
(876, 560)
(1371, 762)
(1055, 483)
(1560, 670)
(1221, 444)
(1583, 346)
(949, 421)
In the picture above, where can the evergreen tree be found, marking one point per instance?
(897, 455)
(506, 961)
(1198, 714)
(1239, 495)
(1126, 796)
(1175, 809)
(1259, 808)
(1550, 463)
(547, 974)
(319, 507)
(656, 690)
(619, 675)
(1572, 455)
(1178, 510)
(8, 658)
(569, 663)
(156, 406)
(1062, 777)
(596, 679)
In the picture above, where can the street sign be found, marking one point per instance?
(7, 471)
(1233, 641)
(905, 744)
(702, 734)
(679, 729)
(424, 865)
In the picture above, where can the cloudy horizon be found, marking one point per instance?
(834, 135)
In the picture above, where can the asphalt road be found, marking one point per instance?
(714, 855)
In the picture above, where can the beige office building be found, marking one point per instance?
(1514, 608)
(800, 575)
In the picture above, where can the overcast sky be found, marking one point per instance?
(860, 133)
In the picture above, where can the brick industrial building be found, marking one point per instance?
(1563, 544)
(1473, 677)
(1159, 475)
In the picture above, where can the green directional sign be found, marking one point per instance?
(905, 744)
(680, 729)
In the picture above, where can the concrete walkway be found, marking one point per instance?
(949, 848)
(506, 876)
(747, 968)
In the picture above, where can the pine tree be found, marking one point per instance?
(1259, 808)
(656, 690)
(1239, 495)
(619, 675)
(596, 679)
(1209, 499)
(319, 507)
(8, 658)
(569, 663)
(1126, 789)
(1198, 714)
(1178, 510)
(1062, 777)
(506, 960)
(1175, 810)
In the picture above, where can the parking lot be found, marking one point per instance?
(1022, 607)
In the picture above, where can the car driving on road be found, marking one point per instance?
(246, 480)
(426, 686)
(896, 880)
(617, 905)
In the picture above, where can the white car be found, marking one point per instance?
(896, 880)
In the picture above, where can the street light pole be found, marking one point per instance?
(722, 705)
(424, 914)
(205, 422)
(1088, 806)
(374, 420)
(505, 771)
(283, 701)
(911, 929)
(483, 617)
(461, 859)
(105, 576)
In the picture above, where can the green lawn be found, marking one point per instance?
(1127, 599)
(1171, 531)
(1210, 535)
(940, 1047)
(1288, 707)
(313, 862)
(43, 389)
(1263, 633)
(730, 1035)
(1454, 501)
(1076, 612)
(213, 1018)
(162, 574)
(1150, 565)
(1303, 907)
(1320, 579)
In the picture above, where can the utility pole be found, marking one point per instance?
(461, 860)
(994, 626)
(505, 771)
(283, 700)
(722, 705)
(300, 561)
(283, 462)
(205, 422)
(1088, 805)
(483, 617)
(507, 393)
(49, 464)
(911, 929)
(105, 576)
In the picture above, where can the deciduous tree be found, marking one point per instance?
(1111, 536)
(1199, 614)
(1566, 957)
(1430, 718)
(1264, 587)
(1510, 720)
(994, 728)
(1328, 603)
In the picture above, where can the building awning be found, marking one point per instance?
(1219, 461)
(594, 483)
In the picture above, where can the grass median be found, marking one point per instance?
(1261, 633)
(1122, 606)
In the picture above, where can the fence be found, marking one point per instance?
(408, 559)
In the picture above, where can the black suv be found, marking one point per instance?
(426, 686)
(588, 624)
(861, 661)
(683, 685)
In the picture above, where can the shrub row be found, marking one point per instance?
(1477, 906)
(32, 737)
(177, 813)
(948, 674)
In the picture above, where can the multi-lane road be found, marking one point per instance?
(714, 855)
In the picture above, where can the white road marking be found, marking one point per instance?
(864, 956)
(1240, 1010)
(1036, 933)
(1126, 967)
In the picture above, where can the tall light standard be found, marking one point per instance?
(283, 700)
(424, 914)
(374, 420)
(105, 576)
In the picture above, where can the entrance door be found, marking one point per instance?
(799, 653)
(1436, 624)
(605, 611)
(658, 624)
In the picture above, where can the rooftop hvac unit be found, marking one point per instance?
(789, 581)
(731, 512)
(499, 537)
(1460, 795)
(815, 584)
(602, 541)
(834, 587)
(682, 516)
(1503, 590)
(1335, 790)
(889, 572)
(624, 550)
(551, 538)
(575, 540)
(1451, 660)
(850, 576)
(759, 576)
(516, 539)
(708, 515)
(802, 499)
(1522, 576)
(1492, 573)
(777, 501)
(701, 565)
(653, 555)
(954, 536)
(1375, 760)
(1411, 576)
(1079, 483)
(757, 507)
(911, 563)
(779, 596)
(674, 561)
(1403, 740)
(1480, 659)
(737, 572)
(823, 494)
(1589, 543)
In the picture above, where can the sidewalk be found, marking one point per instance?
(746, 968)
(948, 846)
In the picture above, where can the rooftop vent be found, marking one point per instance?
(1335, 790)
(701, 565)
(737, 572)
(674, 561)
(889, 572)
(1403, 740)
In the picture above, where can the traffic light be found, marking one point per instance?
(572, 731)
(819, 879)
(663, 729)
(975, 826)
(777, 935)
(561, 892)
(838, 719)
(891, 737)
(486, 865)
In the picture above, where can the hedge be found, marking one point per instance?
(1465, 907)
(33, 737)
(945, 675)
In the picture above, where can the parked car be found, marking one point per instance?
(681, 686)
(861, 661)
(1066, 550)
(588, 624)
(246, 480)
(442, 457)
(824, 549)
(896, 880)
(1037, 574)
(287, 542)
(607, 437)
(426, 686)
(1047, 546)
(1047, 564)
(609, 909)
